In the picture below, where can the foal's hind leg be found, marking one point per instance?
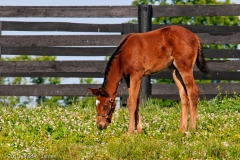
(183, 96)
(192, 92)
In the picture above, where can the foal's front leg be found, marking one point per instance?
(134, 114)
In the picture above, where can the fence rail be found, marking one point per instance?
(86, 67)
(98, 51)
(118, 11)
(96, 40)
(123, 28)
(158, 90)
(104, 45)
(69, 11)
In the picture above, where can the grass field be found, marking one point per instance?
(70, 133)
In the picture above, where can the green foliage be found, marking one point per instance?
(136, 2)
(71, 133)
(87, 81)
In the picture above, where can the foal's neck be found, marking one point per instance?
(113, 75)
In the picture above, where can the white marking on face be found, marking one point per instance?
(97, 102)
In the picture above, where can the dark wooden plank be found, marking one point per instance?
(98, 51)
(60, 40)
(69, 11)
(221, 53)
(89, 66)
(55, 74)
(0, 35)
(162, 75)
(164, 91)
(222, 65)
(211, 90)
(53, 90)
(59, 51)
(45, 90)
(219, 39)
(52, 66)
(196, 10)
(95, 40)
(207, 91)
(213, 30)
(123, 28)
(60, 26)
(214, 75)
(220, 70)
(118, 11)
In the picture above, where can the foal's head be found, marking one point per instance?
(105, 106)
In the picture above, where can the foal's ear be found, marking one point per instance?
(94, 91)
(99, 92)
(103, 92)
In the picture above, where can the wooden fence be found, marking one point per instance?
(68, 45)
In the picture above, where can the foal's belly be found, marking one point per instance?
(157, 65)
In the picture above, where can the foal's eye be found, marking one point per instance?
(105, 106)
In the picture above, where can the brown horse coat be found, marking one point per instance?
(142, 54)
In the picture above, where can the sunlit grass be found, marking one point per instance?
(70, 133)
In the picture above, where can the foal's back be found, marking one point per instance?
(153, 51)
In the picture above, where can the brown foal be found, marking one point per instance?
(142, 54)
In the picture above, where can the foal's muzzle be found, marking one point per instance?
(102, 123)
(102, 126)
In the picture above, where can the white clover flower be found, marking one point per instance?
(225, 144)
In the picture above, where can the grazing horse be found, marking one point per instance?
(142, 54)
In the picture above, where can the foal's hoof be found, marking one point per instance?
(181, 130)
(188, 134)
(130, 132)
(138, 131)
(193, 129)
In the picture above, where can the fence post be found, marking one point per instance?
(1, 48)
(0, 35)
(145, 25)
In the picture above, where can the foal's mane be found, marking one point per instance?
(116, 52)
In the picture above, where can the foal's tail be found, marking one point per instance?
(201, 63)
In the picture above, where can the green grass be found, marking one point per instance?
(70, 133)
